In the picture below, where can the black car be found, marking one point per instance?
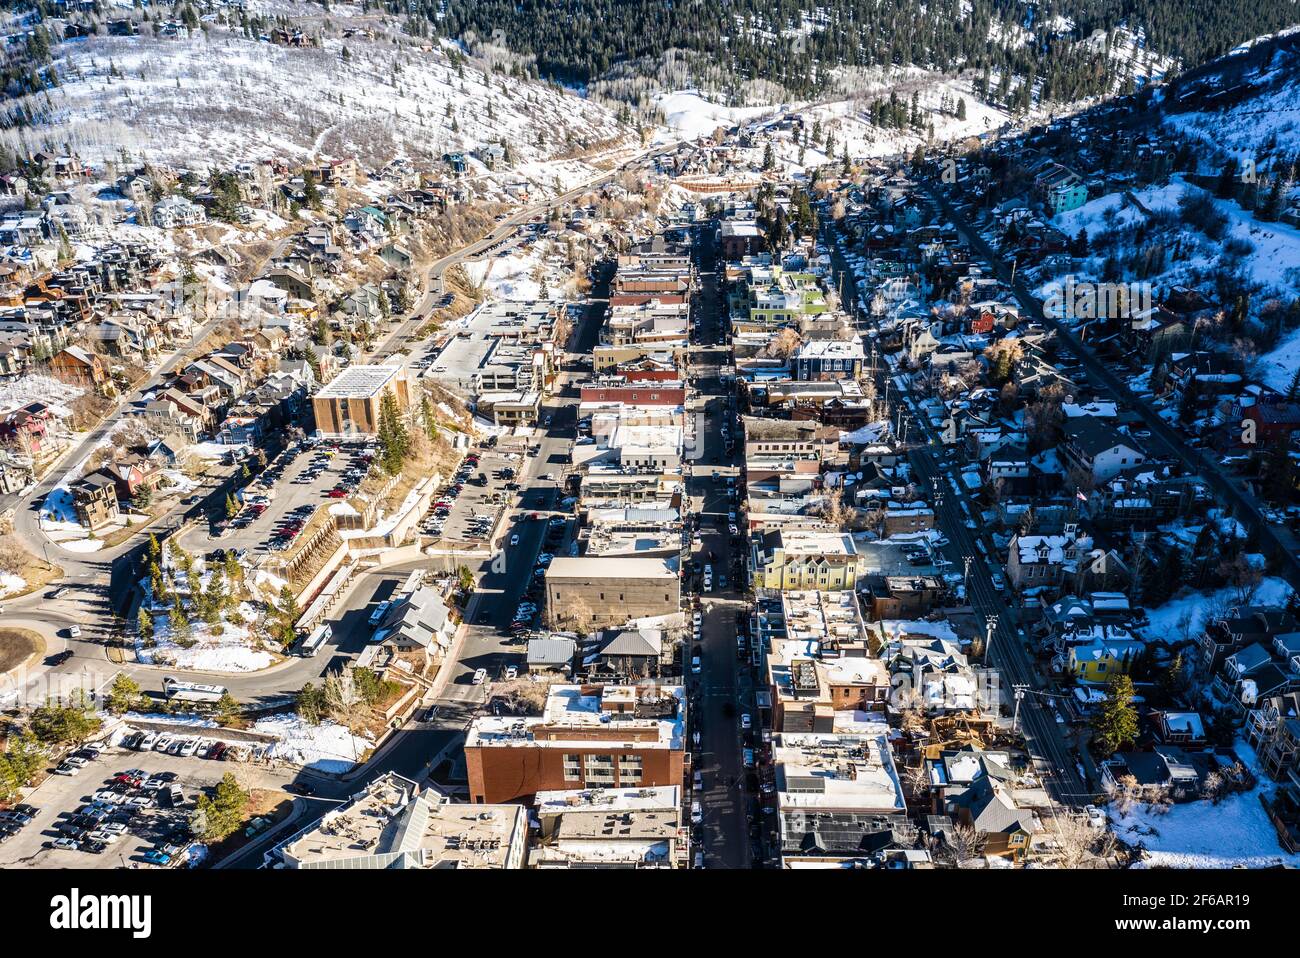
(58, 658)
(300, 788)
(94, 847)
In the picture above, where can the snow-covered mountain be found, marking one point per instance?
(217, 96)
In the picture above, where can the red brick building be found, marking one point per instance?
(618, 736)
(649, 394)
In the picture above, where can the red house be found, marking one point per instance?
(25, 429)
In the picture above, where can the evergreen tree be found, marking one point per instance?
(1116, 722)
(1293, 390)
(427, 417)
(394, 442)
(1226, 187)
(227, 710)
(222, 814)
(123, 694)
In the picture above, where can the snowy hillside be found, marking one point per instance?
(1265, 114)
(221, 97)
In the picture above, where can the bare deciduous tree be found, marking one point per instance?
(964, 847)
(1077, 842)
(1243, 578)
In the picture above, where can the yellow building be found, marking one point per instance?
(802, 559)
(1098, 661)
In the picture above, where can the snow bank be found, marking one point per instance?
(82, 545)
(328, 747)
(197, 722)
(10, 583)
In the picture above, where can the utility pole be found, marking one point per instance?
(991, 624)
(966, 560)
(1020, 694)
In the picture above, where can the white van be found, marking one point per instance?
(697, 813)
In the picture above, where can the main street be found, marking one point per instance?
(723, 690)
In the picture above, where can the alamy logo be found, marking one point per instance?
(1071, 300)
(75, 911)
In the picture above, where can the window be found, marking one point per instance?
(572, 768)
(629, 769)
(600, 768)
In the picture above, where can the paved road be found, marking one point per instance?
(724, 688)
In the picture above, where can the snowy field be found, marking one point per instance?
(10, 584)
(1165, 619)
(227, 648)
(1237, 831)
(689, 115)
(327, 747)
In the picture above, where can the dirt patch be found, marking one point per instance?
(264, 802)
(17, 646)
(37, 573)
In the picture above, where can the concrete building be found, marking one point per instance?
(595, 592)
(391, 823)
(610, 828)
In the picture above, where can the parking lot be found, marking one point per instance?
(294, 485)
(134, 820)
(469, 513)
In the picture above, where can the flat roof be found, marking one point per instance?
(567, 567)
(576, 708)
(392, 825)
(359, 382)
(838, 771)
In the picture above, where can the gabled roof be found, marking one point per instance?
(644, 642)
(1094, 436)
